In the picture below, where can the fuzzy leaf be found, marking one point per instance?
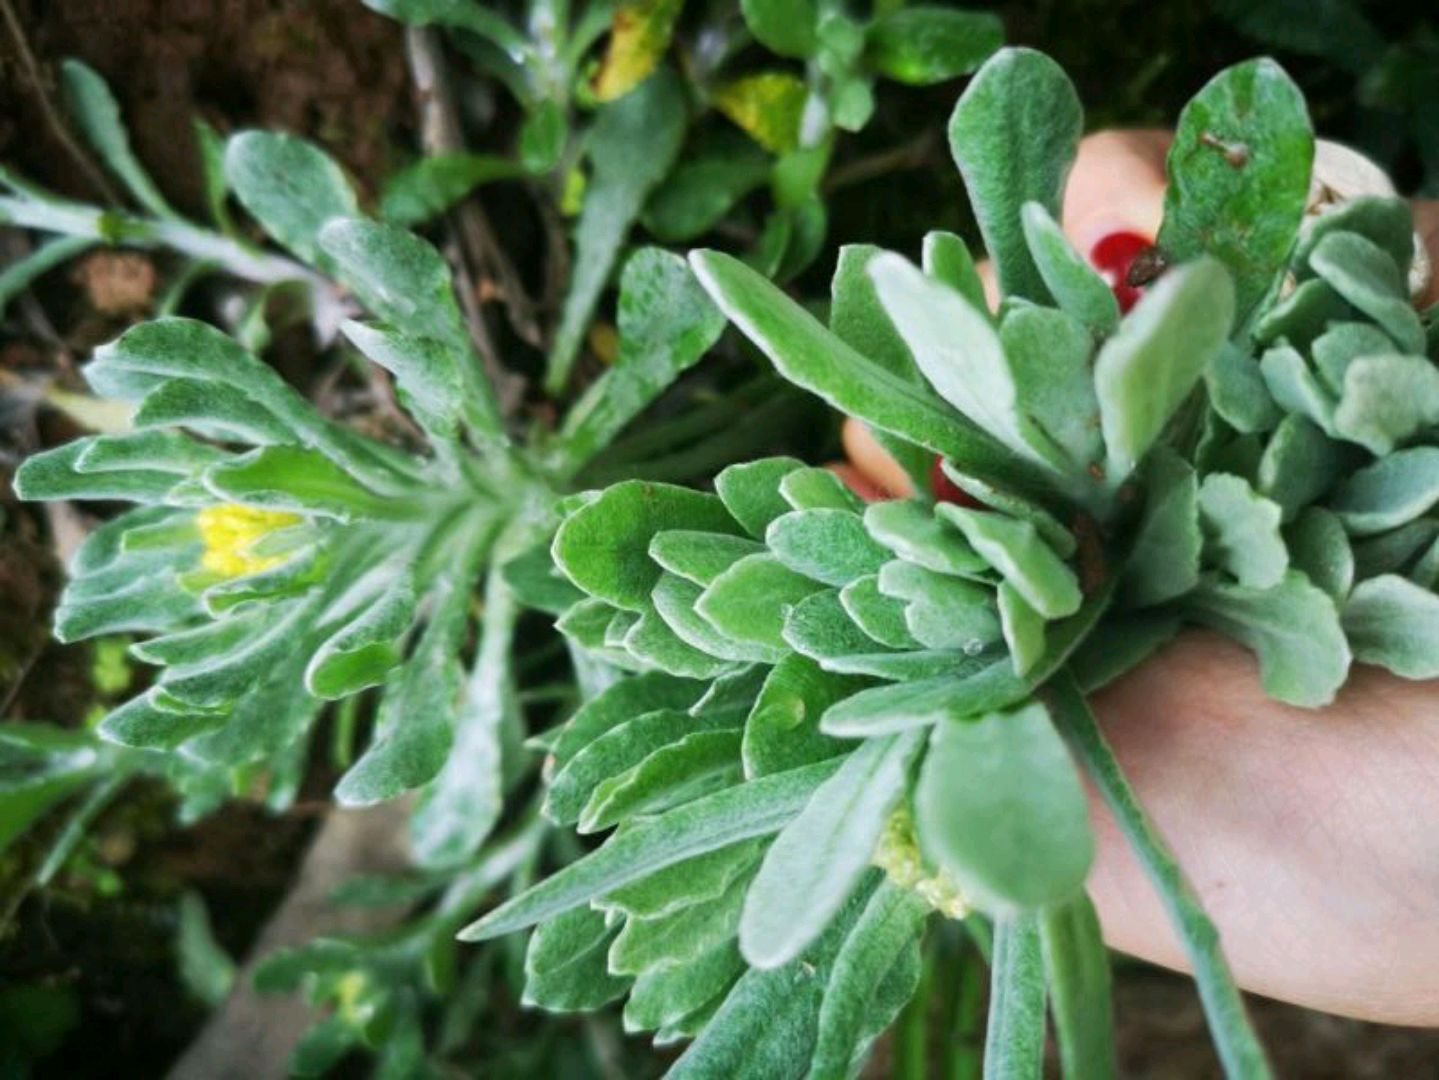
(1394, 623)
(750, 600)
(1241, 531)
(1293, 627)
(1361, 272)
(97, 114)
(831, 546)
(942, 612)
(1164, 559)
(1390, 492)
(1146, 370)
(750, 491)
(1000, 807)
(782, 729)
(786, 27)
(1014, 1039)
(1021, 556)
(603, 547)
(1386, 399)
(565, 965)
(1014, 134)
(1319, 548)
(927, 44)
(1239, 176)
(700, 557)
(290, 186)
(757, 808)
(818, 858)
(1075, 285)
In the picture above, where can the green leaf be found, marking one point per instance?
(52, 474)
(427, 376)
(1319, 548)
(1390, 492)
(999, 807)
(1020, 554)
(652, 639)
(1302, 316)
(857, 317)
(21, 273)
(942, 612)
(1023, 629)
(611, 755)
(565, 964)
(1394, 623)
(1014, 134)
(96, 113)
(695, 765)
(1075, 285)
(675, 601)
(786, 27)
(749, 601)
(290, 186)
(537, 582)
(1146, 370)
(456, 812)
(1300, 463)
(468, 15)
(782, 729)
(1014, 1041)
(831, 546)
(820, 628)
(631, 146)
(1386, 399)
(883, 945)
(1237, 391)
(1241, 531)
(818, 858)
(768, 1023)
(1293, 627)
(361, 652)
(1049, 353)
(960, 354)
(704, 187)
(692, 881)
(1076, 967)
(757, 808)
(1239, 176)
(620, 701)
(1164, 558)
(1363, 273)
(912, 531)
(666, 323)
(681, 937)
(428, 187)
(1343, 343)
(1295, 387)
(1127, 641)
(881, 617)
(287, 478)
(750, 491)
(603, 547)
(665, 996)
(700, 557)
(928, 44)
(142, 724)
(817, 489)
(811, 357)
(946, 258)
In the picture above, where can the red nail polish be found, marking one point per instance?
(946, 490)
(1113, 256)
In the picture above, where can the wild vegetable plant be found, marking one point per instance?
(846, 721)
(277, 560)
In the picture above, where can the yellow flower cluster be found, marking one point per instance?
(230, 532)
(897, 854)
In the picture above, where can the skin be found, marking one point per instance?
(1311, 837)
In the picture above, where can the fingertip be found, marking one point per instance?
(1117, 185)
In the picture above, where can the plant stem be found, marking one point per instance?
(1239, 1048)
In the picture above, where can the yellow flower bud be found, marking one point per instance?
(897, 854)
(230, 532)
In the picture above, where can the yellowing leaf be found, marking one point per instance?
(639, 36)
(767, 106)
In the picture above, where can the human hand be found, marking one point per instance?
(1312, 837)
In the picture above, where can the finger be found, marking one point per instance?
(1117, 185)
(874, 462)
(858, 482)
